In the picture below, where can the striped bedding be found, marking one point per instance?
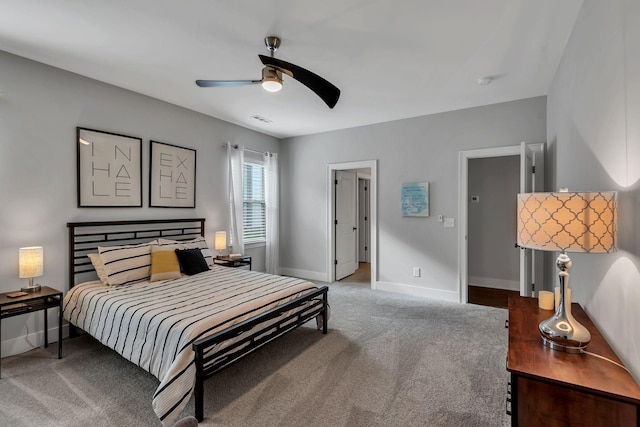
(154, 324)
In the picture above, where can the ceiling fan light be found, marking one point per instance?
(271, 79)
(271, 85)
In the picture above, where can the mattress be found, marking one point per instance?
(153, 324)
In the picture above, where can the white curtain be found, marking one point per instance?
(235, 156)
(272, 257)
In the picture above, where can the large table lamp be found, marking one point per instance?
(30, 265)
(566, 222)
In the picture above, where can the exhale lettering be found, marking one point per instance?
(173, 186)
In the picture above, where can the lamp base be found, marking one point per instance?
(31, 288)
(559, 340)
(561, 331)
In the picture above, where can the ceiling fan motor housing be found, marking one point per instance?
(271, 79)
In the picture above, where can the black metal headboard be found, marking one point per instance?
(85, 237)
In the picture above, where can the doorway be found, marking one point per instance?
(493, 261)
(345, 229)
(362, 273)
(531, 179)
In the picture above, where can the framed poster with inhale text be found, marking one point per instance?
(172, 183)
(109, 169)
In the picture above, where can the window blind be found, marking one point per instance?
(253, 206)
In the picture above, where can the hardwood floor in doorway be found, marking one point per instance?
(489, 296)
(362, 274)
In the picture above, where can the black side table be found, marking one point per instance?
(43, 299)
(236, 261)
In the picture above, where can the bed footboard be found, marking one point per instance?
(209, 361)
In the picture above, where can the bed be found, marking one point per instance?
(182, 329)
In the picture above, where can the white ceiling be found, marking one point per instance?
(391, 59)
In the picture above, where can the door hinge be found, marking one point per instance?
(533, 169)
(366, 248)
(335, 182)
(336, 223)
(365, 188)
(366, 218)
(335, 262)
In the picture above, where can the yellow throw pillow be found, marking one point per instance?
(164, 265)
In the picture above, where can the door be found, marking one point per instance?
(345, 225)
(364, 231)
(531, 180)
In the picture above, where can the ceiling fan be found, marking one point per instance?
(272, 76)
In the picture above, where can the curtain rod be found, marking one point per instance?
(236, 146)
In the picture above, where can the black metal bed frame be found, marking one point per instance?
(85, 237)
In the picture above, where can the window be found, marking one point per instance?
(253, 202)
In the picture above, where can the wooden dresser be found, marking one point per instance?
(552, 388)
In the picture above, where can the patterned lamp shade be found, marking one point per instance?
(567, 222)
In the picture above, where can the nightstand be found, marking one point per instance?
(43, 299)
(234, 262)
(553, 388)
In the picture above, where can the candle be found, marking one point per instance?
(545, 300)
(567, 298)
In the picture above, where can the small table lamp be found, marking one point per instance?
(566, 222)
(220, 241)
(30, 265)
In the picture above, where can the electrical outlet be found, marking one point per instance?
(449, 222)
(416, 271)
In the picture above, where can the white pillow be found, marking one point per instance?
(127, 264)
(198, 242)
(96, 260)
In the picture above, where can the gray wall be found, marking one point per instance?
(594, 144)
(493, 261)
(40, 107)
(412, 150)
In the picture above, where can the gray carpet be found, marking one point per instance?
(388, 360)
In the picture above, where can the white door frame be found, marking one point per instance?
(373, 201)
(463, 193)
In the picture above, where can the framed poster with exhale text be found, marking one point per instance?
(109, 169)
(172, 183)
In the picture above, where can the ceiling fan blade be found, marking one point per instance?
(325, 90)
(224, 83)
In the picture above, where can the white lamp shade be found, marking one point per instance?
(31, 262)
(568, 222)
(220, 242)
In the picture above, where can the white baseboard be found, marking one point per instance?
(418, 291)
(304, 274)
(490, 282)
(24, 343)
